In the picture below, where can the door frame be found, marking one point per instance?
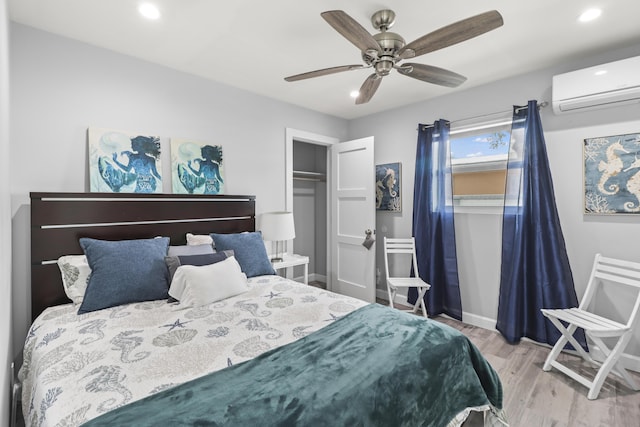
(317, 139)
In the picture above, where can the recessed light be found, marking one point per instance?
(149, 11)
(589, 15)
(600, 72)
(354, 94)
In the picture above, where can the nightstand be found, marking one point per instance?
(292, 261)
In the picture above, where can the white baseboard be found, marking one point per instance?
(315, 277)
(469, 318)
(399, 299)
(629, 361)
(479, 321)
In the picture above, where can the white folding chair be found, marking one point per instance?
(605, 272)
(406, 247)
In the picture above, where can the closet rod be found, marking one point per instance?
(300, 178)
(540, 106)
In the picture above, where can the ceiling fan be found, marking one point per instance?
(385, 51)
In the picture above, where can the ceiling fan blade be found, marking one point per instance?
(368, 89)
(430, 74)
(351, 30)
(324, 72)
(452, 34)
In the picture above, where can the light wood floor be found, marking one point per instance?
(534, 398)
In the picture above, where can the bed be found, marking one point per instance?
(277, 353)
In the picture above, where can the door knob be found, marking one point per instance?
(368, 239)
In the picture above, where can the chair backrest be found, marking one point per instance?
(610, 270)
(400, 246)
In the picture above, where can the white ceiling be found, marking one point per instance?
(254, 44)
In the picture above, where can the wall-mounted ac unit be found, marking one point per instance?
(606, 85)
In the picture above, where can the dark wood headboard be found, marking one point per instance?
(58, 220)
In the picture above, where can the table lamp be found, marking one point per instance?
(277, 227)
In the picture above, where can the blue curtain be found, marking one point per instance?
(535, 270)
(433, 226)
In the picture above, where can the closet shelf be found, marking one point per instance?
(309, 176)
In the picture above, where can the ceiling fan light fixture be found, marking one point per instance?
(590, 15)
(149, 11)
(354, 93)
(383, 67)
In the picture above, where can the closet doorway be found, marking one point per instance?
(307, 196)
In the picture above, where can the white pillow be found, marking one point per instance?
(199, 239)
(75, 276)
(195, 285)
(186, 250)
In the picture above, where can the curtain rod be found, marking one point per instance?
(517, 110)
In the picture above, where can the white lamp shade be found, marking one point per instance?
(277, 226)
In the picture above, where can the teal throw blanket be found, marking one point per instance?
(373, 367)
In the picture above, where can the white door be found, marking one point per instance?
(353, 212)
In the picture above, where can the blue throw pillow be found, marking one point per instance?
(124, 271)
(249, 251)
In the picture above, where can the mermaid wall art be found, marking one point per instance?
(122, 162)
(196, 167)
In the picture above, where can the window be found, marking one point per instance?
(479, 163)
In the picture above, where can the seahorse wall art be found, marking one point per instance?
(633, 186)
(610, 168)
(612, 174)
(388, 187)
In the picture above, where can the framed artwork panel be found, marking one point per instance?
(611, 167)
(123, 162)
(196, 167)
(388, 187)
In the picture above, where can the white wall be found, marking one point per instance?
(478, 235)
(60, 87)
(6, 354)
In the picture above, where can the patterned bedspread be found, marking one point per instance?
(78, 367)
(374, 367)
